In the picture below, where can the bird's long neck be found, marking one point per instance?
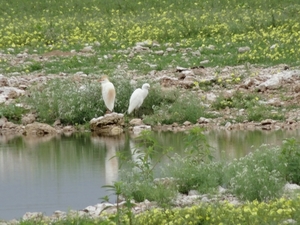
(145, 93)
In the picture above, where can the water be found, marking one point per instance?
(67, 172)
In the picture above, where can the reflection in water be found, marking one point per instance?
(62, 172)
(111, 145)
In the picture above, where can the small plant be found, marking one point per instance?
(290, 155)
(195, 171)
(197, 147)
(12, 112)
(181, 109)
(116, 188)
(261, 112)
(138, 182)
(238, 100)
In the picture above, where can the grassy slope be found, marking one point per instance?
(227, 24)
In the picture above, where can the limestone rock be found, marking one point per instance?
(140, 128)
(87, 49)
(39, 129)
(243, 49)
(3, 81)
(136, 122)
(28, 118)
(109, 124)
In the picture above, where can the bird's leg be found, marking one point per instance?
(108, 111)
(138, 113)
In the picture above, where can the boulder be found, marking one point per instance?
(39, 129)
(28, 119)
(109, 124)
(136, 122)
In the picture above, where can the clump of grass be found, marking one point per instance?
(261, 112)
(66, 100)
(138, 182)
(12, 112)
(290, 154)
(257, 176)
(238, 100)
(180, 109)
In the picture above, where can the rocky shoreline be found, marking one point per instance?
(279, 86)
(104, 209)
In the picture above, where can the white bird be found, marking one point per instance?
(108, 93)
(137, 98)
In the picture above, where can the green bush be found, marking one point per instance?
(178, 109)
(290, 155)
(257, 176)
(66, 100)
(12, 112)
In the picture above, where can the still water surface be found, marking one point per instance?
(67, 172)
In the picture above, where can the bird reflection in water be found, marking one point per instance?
(112, 144)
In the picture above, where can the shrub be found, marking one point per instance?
(12, 112)
(179, 109)
(290, 155)
(257, 176)
(67, 101)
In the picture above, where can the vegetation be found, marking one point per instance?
(210, 30)
(256, 179)
(226, 24)
(196, 30)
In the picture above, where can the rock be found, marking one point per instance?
(68, 129)
(39, 129)
(136, 122)
(180, 69)
(289, 221)
(97, 43)
(159, 52)
(109, 124)
(243, 49)
(297, 88)
(291, 187)
(203, 120)
(187, 123)
(272, 83)
(140, 49)
(33, 216)
(3, 121)
(170, 49)
(204, 61)
(10, 93)
(28, 118)
(140, 128)
(199, 71)
(267, 122)
(211, 97)
(3, 81)
(87, 49)
(211, 47)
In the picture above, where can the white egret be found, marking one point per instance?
(137, 98)
(108, 93)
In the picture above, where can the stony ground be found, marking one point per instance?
(277, 86)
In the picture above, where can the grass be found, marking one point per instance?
(226, 24)
(191, 31)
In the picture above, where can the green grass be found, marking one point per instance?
(215, 28)
(226, 24)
